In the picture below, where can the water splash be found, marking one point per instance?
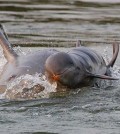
(2, 60)
(29, 87)
(19, 51)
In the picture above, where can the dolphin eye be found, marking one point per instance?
(12, 77)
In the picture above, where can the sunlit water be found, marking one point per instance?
(31, 104)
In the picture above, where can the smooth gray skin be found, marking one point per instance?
(77, 67)
(19, 65)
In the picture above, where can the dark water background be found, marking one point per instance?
(51, 23)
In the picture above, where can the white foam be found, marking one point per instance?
(26, 87)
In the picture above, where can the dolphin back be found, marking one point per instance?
(92, 63)
(88, 60)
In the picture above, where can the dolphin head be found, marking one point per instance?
(60, 67)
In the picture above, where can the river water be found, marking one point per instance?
(59, 23)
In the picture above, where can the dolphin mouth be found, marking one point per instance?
(57, 76)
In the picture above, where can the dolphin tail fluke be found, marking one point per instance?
(8, 51)
(3, 31)
(115, 54)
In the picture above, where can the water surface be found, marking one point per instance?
(59, 23)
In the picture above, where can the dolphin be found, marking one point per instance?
(79, 66)
(72, 69)
(18, 65)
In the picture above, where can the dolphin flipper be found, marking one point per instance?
(103, 77)
(8, 51)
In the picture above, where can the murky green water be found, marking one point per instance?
(52, 23)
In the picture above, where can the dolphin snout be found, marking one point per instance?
(51, 75)
(65, 77)
(56, 77)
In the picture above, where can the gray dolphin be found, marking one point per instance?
(79, 66)
(71, 69)
(19, 65)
